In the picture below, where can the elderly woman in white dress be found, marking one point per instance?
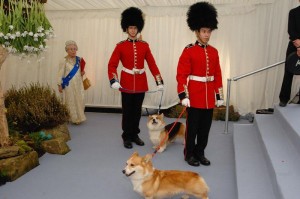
(71, 70)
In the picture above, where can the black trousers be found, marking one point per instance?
(285, 92)
(198, 125)
(131, 114)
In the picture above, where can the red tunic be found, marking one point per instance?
(132, 55)
(195, 61)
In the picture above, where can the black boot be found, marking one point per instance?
(138, 141)
(192, 161)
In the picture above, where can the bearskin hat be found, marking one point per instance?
(202, 15)
(132, 17)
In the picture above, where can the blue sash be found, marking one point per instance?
(66, 80)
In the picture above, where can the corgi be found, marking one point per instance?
(152, 183)
(158, 131)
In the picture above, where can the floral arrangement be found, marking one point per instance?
(24, 27)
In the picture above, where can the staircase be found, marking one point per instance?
(267, 155)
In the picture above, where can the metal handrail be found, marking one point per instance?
(236, 79)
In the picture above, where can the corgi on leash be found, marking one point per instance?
(158, 131)
(152, 183)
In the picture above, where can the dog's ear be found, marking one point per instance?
(147, 158)
(162, 115)
(135, 154)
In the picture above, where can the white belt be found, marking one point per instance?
(202, 79)
(134, 71)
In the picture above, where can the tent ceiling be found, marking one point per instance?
(115, 4)
(110, 4)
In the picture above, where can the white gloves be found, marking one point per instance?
(160, 87)
(186, 102)
(116, 85)
(220, 103)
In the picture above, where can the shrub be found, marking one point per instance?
(219, 113)
(175, 111)
(3, 177)
(33, 108)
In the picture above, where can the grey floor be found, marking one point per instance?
(92, 169)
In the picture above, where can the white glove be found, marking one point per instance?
(116, 85)
(186, 102)
(160, 87)
(220, 103)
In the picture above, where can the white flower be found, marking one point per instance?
(1, 34)
(35, 39)
(18, 34)
(11, 27)
(35, 35)
(8, 34)
(31, 48)
(40, 29)
(5, 37)
(30, 33)
(9, 49)
(12, 37)
(14, 50)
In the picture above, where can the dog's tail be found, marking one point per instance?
(174, 131)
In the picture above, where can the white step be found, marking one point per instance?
(282, 154)
(253, 175)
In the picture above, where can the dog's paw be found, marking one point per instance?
(185, 197)
(161, 149)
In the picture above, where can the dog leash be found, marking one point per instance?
(154, 91)
(165, 138)
(159, 106)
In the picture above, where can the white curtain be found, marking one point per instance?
(251, 35)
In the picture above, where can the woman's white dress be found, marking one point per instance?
(73, 94)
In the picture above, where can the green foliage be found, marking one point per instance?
(24, 27)
(3, 177)
(38, 137)
(33, 108)
(23, 146)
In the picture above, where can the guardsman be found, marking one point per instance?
(199, 82)
(132, 53)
